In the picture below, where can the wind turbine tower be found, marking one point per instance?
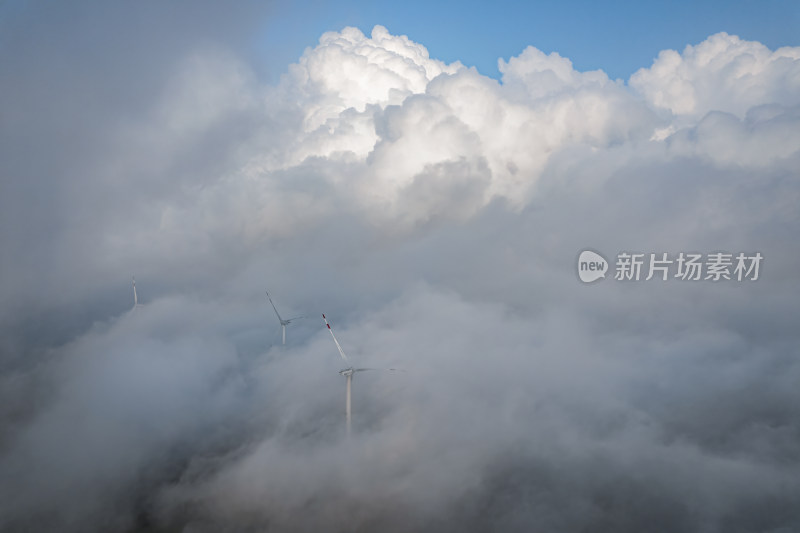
(135, 296)
(348, 374)
(283, 322)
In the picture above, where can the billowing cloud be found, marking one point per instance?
(348, 70)
(723, 73)
(435, 215)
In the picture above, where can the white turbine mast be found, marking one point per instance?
(283, 322)
(348, 374)
(135, 296)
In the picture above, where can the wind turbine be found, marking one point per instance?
(135, 296)
(283, 322)
(348, 374)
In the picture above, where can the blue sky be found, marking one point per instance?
(618, 37)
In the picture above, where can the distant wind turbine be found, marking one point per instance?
(135, 296)
(283, 322)
(348, 374)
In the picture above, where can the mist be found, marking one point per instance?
(435, 216)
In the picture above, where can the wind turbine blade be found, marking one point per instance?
(293, 318)
(135, 297)
(273, 306)
(341, 352)
(385, 369)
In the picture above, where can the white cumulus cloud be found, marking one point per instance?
(723, 73)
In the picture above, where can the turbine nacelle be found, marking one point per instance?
(347, 372)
